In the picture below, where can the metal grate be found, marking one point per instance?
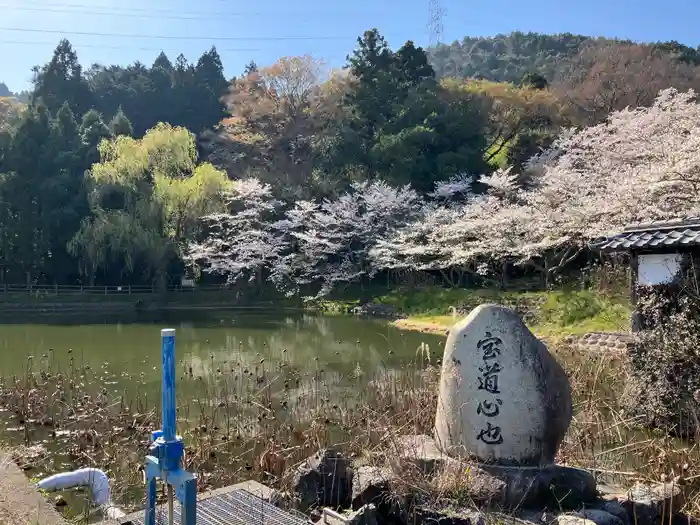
(238, 507)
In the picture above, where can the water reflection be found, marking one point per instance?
(301, 346)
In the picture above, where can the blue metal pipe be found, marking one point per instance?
(169, 403)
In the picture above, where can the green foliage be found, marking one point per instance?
(41, 194)
(506, 58)
(121, 125)
(534, 80)
(181, 94)
(145, 196)
(390, 115)
(61, 81)
(533, 59)
(401, 125)
(555, 313)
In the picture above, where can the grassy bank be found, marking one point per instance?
(549, 314)
(261, 421)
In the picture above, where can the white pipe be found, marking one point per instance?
(94, 478)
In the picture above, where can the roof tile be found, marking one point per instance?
(676, 232)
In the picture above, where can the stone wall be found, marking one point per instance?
(602, 342)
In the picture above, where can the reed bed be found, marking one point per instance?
(258, 420)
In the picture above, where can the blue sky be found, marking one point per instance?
(244, 30)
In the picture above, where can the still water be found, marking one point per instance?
(205, 342)
(123, 360)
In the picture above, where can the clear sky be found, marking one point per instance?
(245, 30)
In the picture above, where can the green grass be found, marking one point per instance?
(548, 313)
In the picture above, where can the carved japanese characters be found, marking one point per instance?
(503, 398)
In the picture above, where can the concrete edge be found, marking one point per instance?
(20, 502)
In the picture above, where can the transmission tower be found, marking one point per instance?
(435, 25)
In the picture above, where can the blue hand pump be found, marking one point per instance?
(164, 460)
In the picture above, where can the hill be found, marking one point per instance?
(5, 92)
(509, 57)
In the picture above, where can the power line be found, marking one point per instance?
(100, 46)
(171, 37)
(83, 9)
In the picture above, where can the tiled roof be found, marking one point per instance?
(674, 233)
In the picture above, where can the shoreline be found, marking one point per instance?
(419, 325)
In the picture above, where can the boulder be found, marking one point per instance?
(503, 398)
(323, 480)
(370, 485)
(501, 486)
(531, 488)
(597, 516)
(420, 451)
(572, 519)
(651, 503)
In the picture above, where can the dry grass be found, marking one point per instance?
(260, 420)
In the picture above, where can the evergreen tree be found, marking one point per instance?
(92, 131)
(121, 125)
(61, 80)
(210, 84)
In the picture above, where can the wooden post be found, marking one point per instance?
(635, 321)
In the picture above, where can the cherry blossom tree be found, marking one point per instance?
(241, 243)
(641, 164)
(332, 239)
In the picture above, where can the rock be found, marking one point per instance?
(650, 503)
(503, 398)
(552, 486)
(365, 515)
(324, 479)
(370, 485)
(447, 515)
(589, 517)
(572, 519)
(601, 517)
(525, 487)
(421, 451)
(615, 508)
(496, 485)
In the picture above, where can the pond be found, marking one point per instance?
(244, 379)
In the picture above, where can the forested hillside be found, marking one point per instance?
(509, 58)
(308, 180)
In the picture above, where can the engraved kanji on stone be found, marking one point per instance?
(490, 346)
(491, 435)
(489, 409)
(489, 379)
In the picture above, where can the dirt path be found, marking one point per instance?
(20, 502)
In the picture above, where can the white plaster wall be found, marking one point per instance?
(658, 268)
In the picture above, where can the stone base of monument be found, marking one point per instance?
(499, 486)
(531, 487)
(414, 483)
(548, 494)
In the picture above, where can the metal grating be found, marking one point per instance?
(238, 507)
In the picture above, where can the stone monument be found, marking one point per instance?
(503, 398)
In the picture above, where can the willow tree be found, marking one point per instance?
(146, 196)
